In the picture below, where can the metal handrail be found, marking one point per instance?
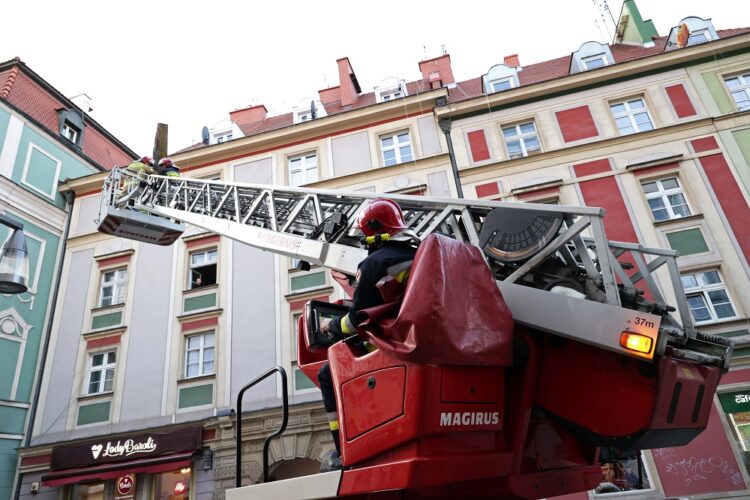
(267, 443)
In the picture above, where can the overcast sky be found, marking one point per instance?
(188, 63)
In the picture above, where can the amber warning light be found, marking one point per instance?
(636, 342)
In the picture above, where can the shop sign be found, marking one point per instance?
(121, 448)
(735, 402)
(125, 487)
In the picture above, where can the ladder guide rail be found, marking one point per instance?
(319, 226)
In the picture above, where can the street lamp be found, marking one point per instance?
(14, 259)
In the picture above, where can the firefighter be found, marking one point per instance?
(167, 167)
(144, 165)
(391, 252)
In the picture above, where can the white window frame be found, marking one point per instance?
(104, 368)
(118, 284)
(70, 132)
(205, 251)
(664, 194)
(630, 113)
(58, 166)
(744, 81)
(601, 56)
(304, 168)
(227, 136)
(396, 147)
(508, 79)
(703, 290)
(706, 34)
(391, 92)
(202, 348)
(521, 137)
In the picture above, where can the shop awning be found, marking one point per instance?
(102, 472)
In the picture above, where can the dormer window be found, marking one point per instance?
(595, 61)
(591, 55)
(499, 78)
(308, 111)
(691, 31)
(223, 137)
(390, 89)
(502, 84)
(71, 125)
(70, 132)
(700, 36)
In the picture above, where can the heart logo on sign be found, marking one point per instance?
(95, 450)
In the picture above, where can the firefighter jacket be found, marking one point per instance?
(392, 258)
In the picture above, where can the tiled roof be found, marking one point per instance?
(27, 92)
(470, 89)
(332, 108)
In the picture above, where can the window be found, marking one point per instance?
(699, 36)
(739, 86)
(666, 199)
(112, 290)
(595, 61)
(70, 132)
(199, 354)
(304, 117)
(389, 96)
(173, 485)
(101, 372)
(501, 84)
(303, 169)
(396, 148)
(521, 140)
(202, 268)
(631, 116)
(223, 137)
(707, 296)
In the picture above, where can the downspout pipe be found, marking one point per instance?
(445, 126)
(69, 198)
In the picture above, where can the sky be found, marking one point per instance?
(189, 63)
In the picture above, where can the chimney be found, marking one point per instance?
(512, 61)
(330, 94)
(437, 71)
(349, 87)
(251, 114)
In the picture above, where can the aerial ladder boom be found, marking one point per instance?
(317, 227)
(577, 301)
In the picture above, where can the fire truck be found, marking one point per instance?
(581, 343)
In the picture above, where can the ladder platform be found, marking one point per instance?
(314, 486)
(135, 225)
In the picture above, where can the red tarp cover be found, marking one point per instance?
(452, 312)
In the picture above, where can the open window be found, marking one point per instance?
(203, 268)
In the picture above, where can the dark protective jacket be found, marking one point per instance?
(392, 258)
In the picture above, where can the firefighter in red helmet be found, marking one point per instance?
(391, 252)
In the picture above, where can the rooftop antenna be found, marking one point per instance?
(424, 49)
(601, 6)
(442, 47)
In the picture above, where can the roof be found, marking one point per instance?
(560, 67)
(472, 88)
(39, 101)
(332, 108)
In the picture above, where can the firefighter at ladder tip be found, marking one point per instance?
(391, 252)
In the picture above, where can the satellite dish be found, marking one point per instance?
(204, 135)
(313, 111)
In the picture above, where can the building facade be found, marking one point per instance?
(156, 342)
(44, 139)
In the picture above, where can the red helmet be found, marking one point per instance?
(166, 162)
(147, 160)
(382, 216)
